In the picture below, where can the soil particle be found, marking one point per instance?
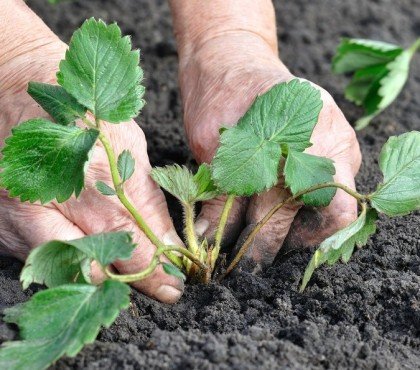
(360, 315)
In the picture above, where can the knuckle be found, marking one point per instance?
(203, 140)
(328, 99)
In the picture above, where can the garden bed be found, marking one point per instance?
(365, 314)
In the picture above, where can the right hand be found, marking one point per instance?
(219, 82)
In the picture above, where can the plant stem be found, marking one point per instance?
(190, 234)
(116, 180)
(186, 253)
(414, 47)
(89, 123)
(273, 210)
(130, 278)
(221, 229)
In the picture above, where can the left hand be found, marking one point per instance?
(219, 82)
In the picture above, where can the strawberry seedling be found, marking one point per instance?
(380, 71)
(43, 161)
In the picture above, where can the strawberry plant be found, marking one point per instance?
(380, 71)
(100, 80)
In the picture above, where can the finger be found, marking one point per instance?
(311, 226)
(95, 213)
(208, 219)
(95, 217)
(97, 275)
(24, 226)
(269, 240)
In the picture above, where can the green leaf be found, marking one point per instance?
(107, 247)
(204, 180)
(399, 161)
(303, 170)
(380, 72)
(247, 160)
(60, 262)
(102, 72)
(173, 270)
(354, 54)
(45, 161)
(285, 114)
(176, 180)
(60, 105)
(342, 243)
(125, 165)
(182, 184)
(358, 89)
(244, 163)
(105, 189)
(385, 89)
(55, 263)
(60, 321)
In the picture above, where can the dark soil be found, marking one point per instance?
(363, 315)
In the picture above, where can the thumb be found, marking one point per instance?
(25, 226)
(94, 215)
(311, 226)
(269, 240)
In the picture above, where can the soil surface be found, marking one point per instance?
(364, 315)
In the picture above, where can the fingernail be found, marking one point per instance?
(168, 294)
(201, 226)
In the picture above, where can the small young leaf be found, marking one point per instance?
(101, 71)
(173, 270)
(203, 180)
(60, 321)
(125, 164)
(60, 262)
(104, 189)
(182, 184)
(176, 180)
(45, 161)
(381, 71)
(399, 161)
(342, 243)
(303, 170)
(60, 105)
(247, 160)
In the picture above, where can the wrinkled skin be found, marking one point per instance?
(24, 226)
(218, 85)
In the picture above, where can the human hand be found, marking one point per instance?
(24, 226)
(219, 81)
